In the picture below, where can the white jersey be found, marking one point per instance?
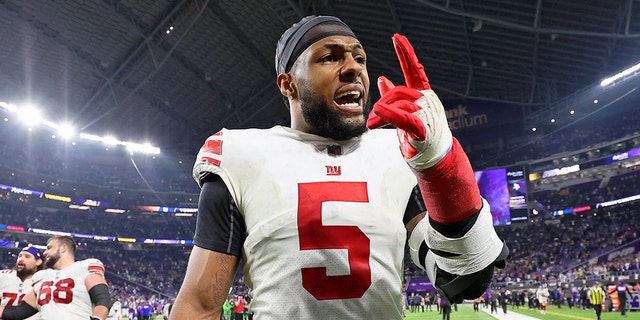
(115, 313)
(543, 295)
(325, 237)
(62, 294)
(13, 289)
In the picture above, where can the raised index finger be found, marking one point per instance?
(412, 69)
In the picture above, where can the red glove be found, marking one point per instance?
(414, 110)
(444, 173)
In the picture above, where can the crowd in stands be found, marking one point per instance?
(590, 193)
(545, 252)
(506, 146)
(95, 222)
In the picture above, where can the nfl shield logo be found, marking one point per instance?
(334, 150)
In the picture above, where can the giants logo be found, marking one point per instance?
(333, 170)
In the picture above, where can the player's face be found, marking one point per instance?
(52, 253)
(26, 264)
(333, 87)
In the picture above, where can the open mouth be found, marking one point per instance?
(348, 99)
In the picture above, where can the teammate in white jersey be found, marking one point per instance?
(319, 212)
(16, 283)
(115, 313)
(70, 290)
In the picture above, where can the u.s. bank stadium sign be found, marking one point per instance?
(460, 118)
(479, 114)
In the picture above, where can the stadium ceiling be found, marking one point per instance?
(176, 71)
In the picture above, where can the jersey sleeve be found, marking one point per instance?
(5, 273)
(209, 157)
(220, 227)
(95, 266)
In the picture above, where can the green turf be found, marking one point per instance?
(565, 313)
(553, 313)
(464, 312)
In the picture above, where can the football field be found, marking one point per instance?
(465, 311)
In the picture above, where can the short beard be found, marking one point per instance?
(51, 260)
(327, 122)
(25, 272)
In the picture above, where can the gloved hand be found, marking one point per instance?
(459, 265)
(414, 109)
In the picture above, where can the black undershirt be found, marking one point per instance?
(220, 226)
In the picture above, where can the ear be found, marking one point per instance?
(286, 85)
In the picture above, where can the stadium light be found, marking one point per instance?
(144, 148)
(30, 116)
(49, 124)
(8, 107)
(90, 137)
(627, 73)
(110, 141)
(66, 130)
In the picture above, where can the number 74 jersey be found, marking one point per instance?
(325, 233)
(62, 294)
(13, 289)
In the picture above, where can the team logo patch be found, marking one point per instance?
(334, 170)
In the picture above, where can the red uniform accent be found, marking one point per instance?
(210, 160)
(96, 269)
(449, 188)
(213, 146)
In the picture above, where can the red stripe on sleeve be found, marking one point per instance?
(212, 146)
(96, 268)
(210, 160)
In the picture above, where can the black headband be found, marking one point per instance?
(305, 33)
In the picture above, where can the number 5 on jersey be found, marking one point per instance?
(316, 236)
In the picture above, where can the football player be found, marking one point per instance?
(70, 289)
(542, 294)
(319, 211)
(16, 282)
